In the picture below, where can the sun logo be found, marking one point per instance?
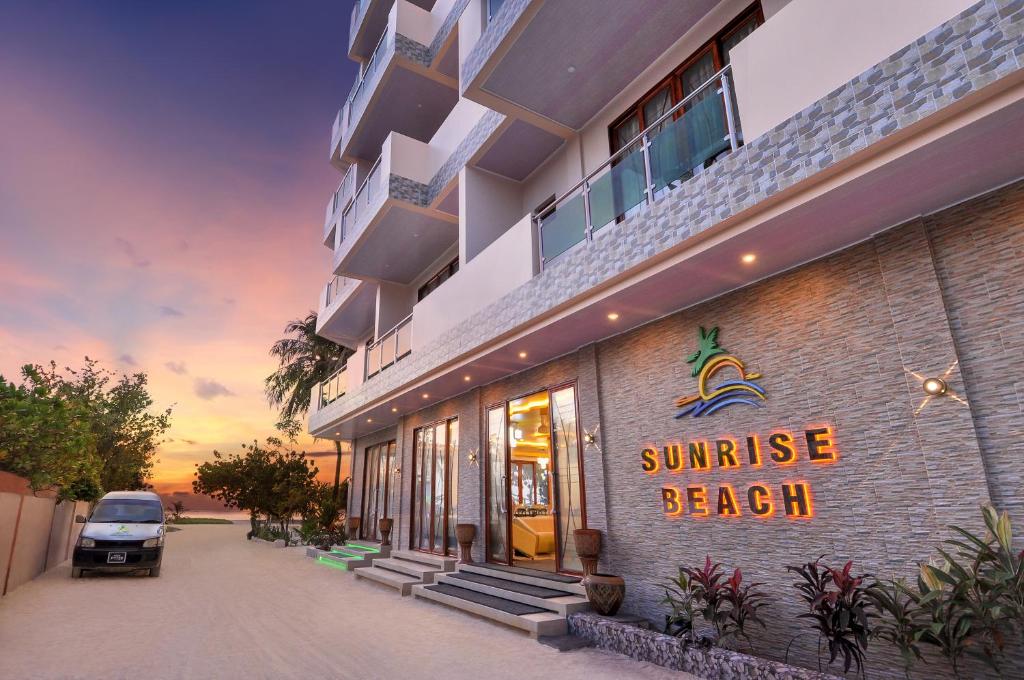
(707, 361)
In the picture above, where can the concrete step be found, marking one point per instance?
(337, 557)
(368, 547)
(441, 562)
(401, 582)
(535, 579)
(536, 623)
(561, 603)
(423, 573)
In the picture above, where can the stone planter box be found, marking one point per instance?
(665, 650)
(279, 543)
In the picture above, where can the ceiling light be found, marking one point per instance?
(394, 409)
(426, 396)
(369, 420)
(337, 433)
(466, 378)
(613, 316)
(748, 258)
(522, 355)
(571, 69)
(934, 386)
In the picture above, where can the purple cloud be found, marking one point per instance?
(210, 389)
(166, 310)
(177, 367)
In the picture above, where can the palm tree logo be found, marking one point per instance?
(707, 361)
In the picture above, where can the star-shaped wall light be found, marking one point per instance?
(935, 387)
(590, 439)
(472, 457)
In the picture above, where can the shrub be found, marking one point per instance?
(838, 606)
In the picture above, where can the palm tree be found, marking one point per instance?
(707, 348)
(305, 359)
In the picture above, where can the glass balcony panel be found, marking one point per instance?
(617, 191)
(563, 228)
(387, 352)
(689, 141)
(404, 339)
(372, 360)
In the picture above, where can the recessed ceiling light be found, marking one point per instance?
(748, 258)
(337, 433)
(369, 420)
(466, 378)
(612, 316)
(571, 69)
(394, 409)
(522, 355)
(426, 396)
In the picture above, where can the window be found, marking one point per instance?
(435, 487)
(492, 8)
(689, 76)
(437, 279)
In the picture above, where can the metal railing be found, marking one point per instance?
(367, 194)
(357, 14)
(390, 348)
(333, 387)
(340, 199)
(343, 119)
(666, 153)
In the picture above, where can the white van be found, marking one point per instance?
(124, 532)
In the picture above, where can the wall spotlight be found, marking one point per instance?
(934, 386)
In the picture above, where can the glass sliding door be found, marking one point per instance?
(435, 487)
(453, 485)
(569, 474)
(376, 497)
(497, 487)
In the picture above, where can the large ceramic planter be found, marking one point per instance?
(464, 534)
(605, 593)
(353, 527)
(385, 525)
(588, 547)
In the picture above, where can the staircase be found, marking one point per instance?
(352, 555)
(407, 568)
(538, 602)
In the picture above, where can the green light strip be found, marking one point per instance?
(346, 553)
(341, 566)
(367, 548)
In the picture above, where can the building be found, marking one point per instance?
(711, 277)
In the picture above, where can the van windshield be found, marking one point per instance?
(128, 510)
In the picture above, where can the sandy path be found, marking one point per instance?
(226, 608)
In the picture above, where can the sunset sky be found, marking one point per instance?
(163, 178)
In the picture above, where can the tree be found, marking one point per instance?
(118, 413)
(47, 439)
(304, 361)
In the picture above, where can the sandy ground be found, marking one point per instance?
(226, 608)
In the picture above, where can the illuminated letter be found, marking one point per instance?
(760, 500)
(796, 498)
(699, 456)
(754, 450)
(820, 447)
(782, 447)
(697, 500)
(727, 505)
(670, 501)
(673, 457)
(726, 449)
(650, 460)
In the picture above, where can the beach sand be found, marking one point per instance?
(227, 608)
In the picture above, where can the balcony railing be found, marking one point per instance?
(369, 192)
(337, 288)
(390, 348)
(357, 12)
(666, 153)
(334, 387)
(353, 105)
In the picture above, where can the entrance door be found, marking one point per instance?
(534, 481)
(435, 450)
(376, 500)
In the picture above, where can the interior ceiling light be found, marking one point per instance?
(749, 258)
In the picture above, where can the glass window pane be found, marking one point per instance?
(570, 481)
(440, 451)
(417, 517)
(453, 484)
(492, 8)
(656, 107)
(563, 228)
(736, 36)
(620, 189)
(497, 508)
(625, 131)
(517, 499)
(529, 495)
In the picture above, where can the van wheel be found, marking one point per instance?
(155, 571)
(76, 572)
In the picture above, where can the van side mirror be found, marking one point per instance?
(80, 519)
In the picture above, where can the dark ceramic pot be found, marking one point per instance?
(588, 547)
(385, 525)
(605, 593)
(464, 534)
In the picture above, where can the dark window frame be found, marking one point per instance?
(435, 281)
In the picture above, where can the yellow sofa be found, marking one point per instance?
(534, 536)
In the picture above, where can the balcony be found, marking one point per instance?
(673, 149)
(390, 231)
(337, 204)
(593, 50)
(346, 310)
(401, 88)
(389, 348)
(331, 389)
(369, 19)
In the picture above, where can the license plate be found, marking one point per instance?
(116, 558)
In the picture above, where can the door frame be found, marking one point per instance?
(416, 499)
(389, 448)
(555, 490)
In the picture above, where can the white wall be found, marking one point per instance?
(453, 130)
(811, 47)
(488, 206)
(508, 263)
(394, 303)
(406, 157)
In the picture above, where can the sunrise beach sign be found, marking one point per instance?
(778, 447)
